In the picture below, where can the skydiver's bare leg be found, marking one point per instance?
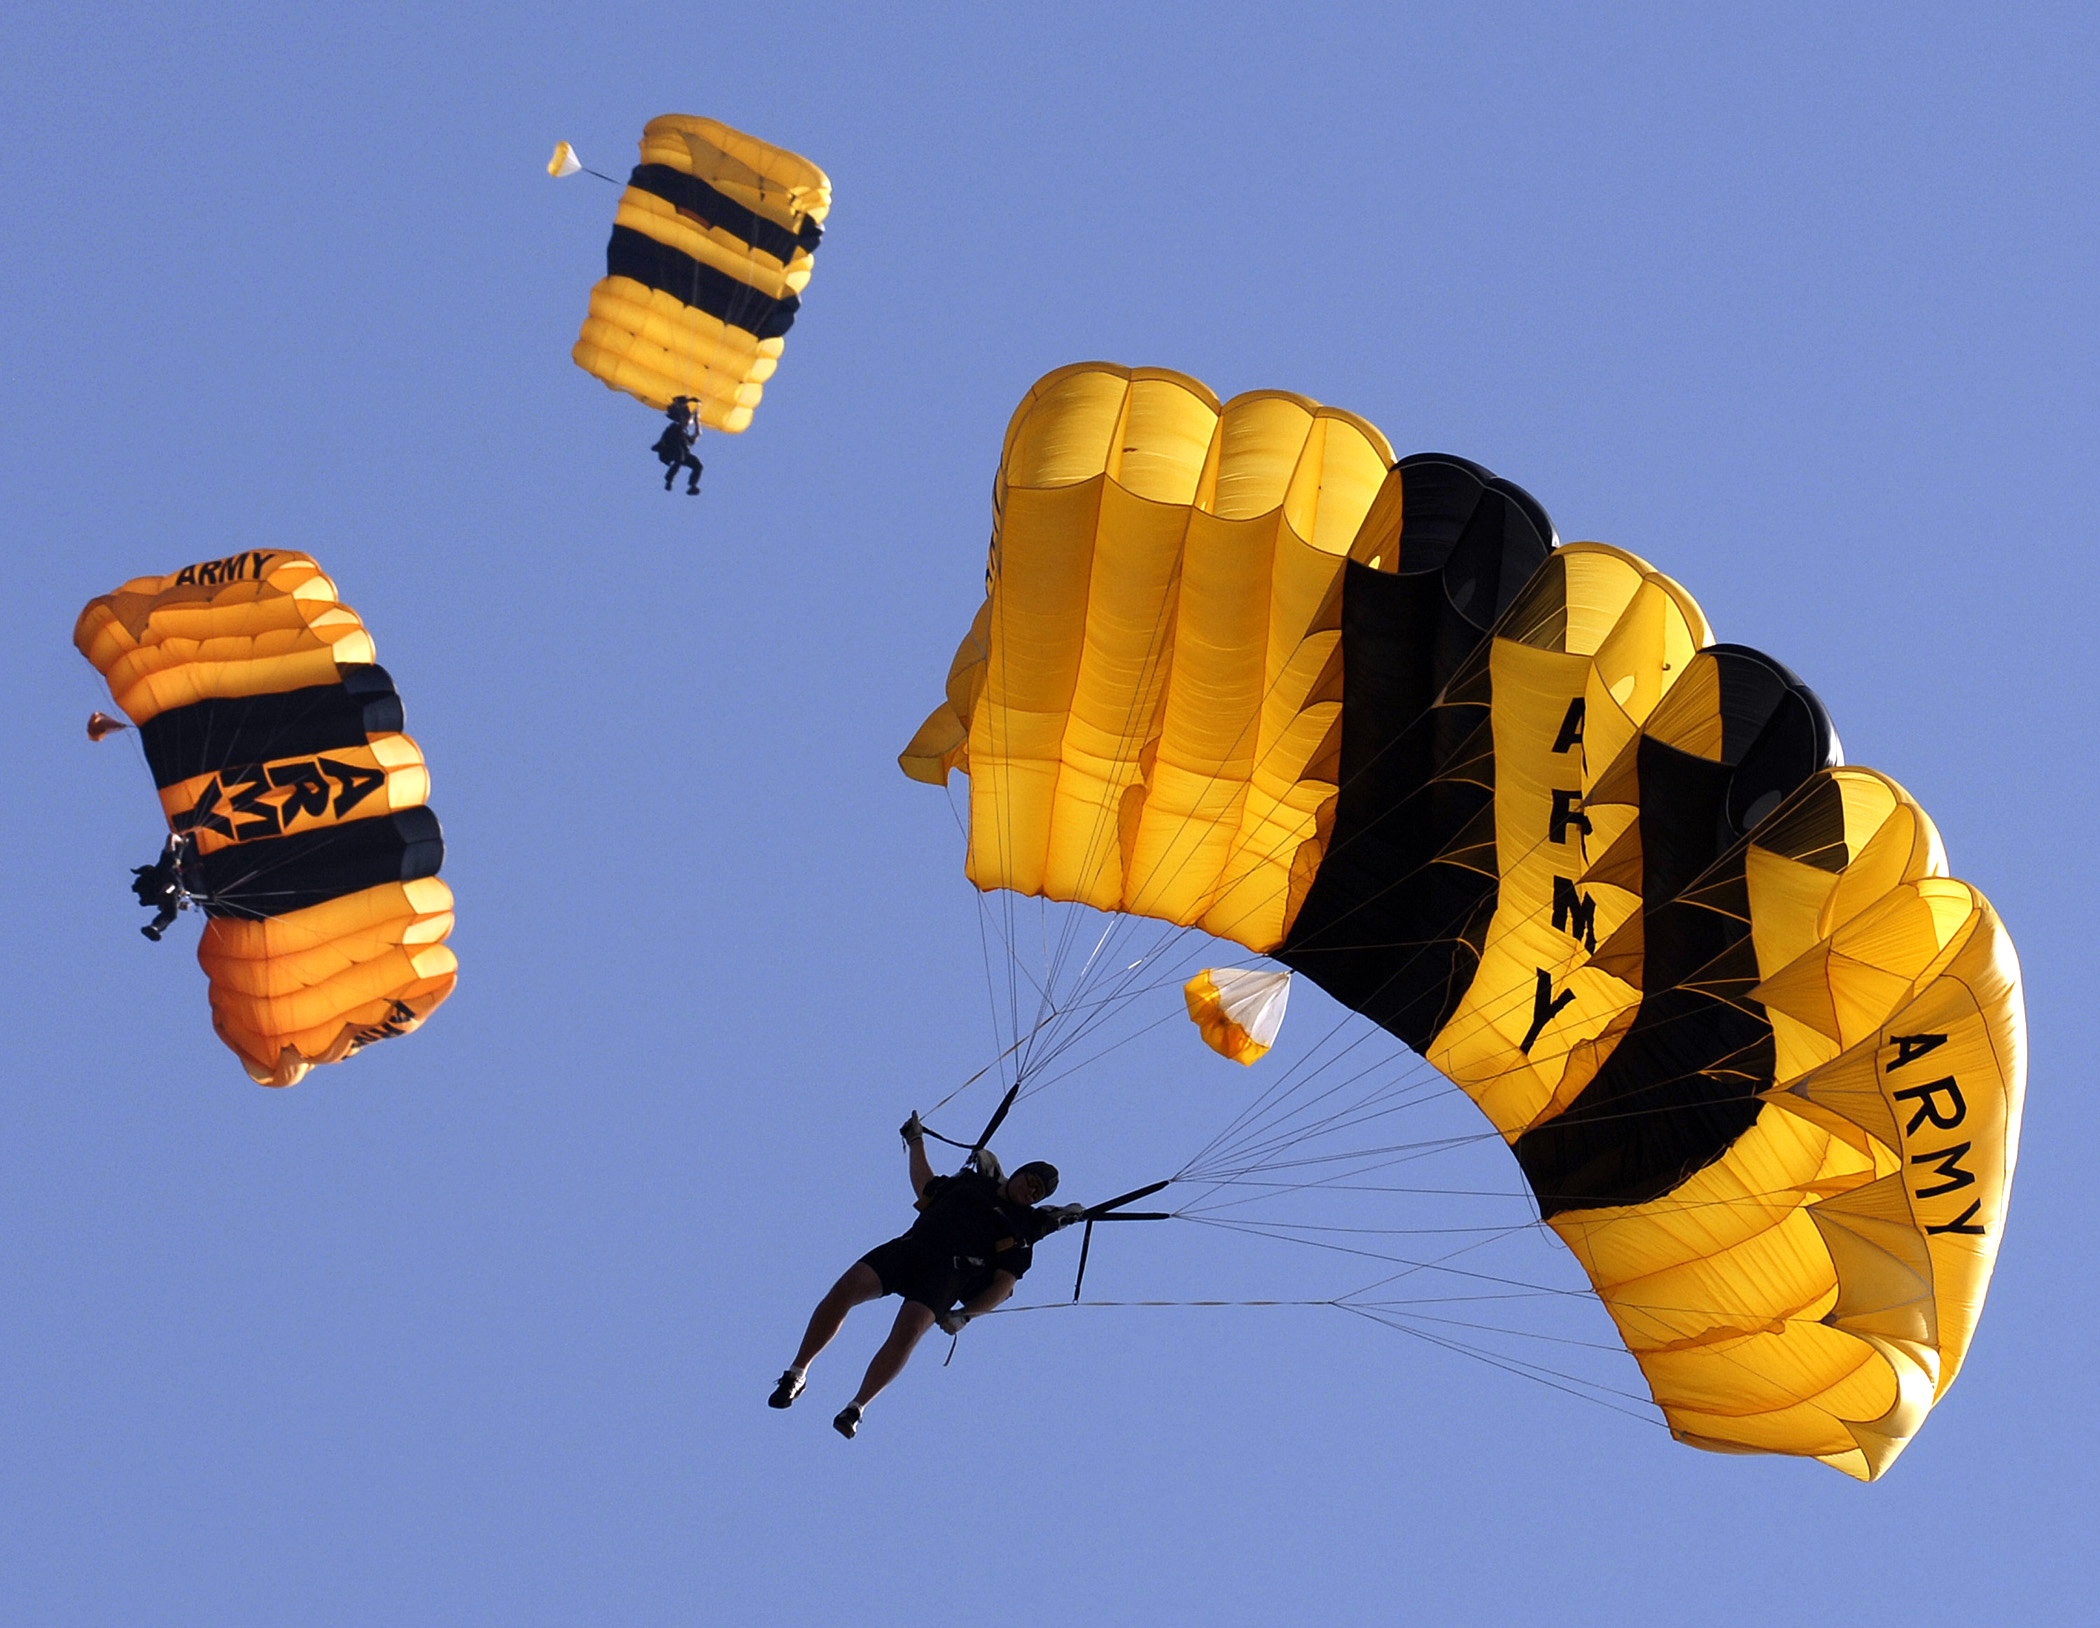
(913, 1320)
(856, 1287)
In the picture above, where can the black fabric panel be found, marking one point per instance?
(207, 736)
(1683, 796)
(1810, 829)
(1386, 928)
(1776, 732)
(1673, 1097)
(1395, 920)
(696, 197)
(273, 876)
(1480, 537)
(676, 273)
(1682, 1084)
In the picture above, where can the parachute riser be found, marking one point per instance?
(1113, 1210)
(991, 1127)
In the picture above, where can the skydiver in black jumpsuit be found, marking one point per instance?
(159, 887)
(675, 445)
(972, 1241)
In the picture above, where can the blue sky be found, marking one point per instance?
(1796, 301)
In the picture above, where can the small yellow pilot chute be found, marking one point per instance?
(1239, 1009)
(564, 162)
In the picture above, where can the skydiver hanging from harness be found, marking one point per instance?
(159, 886)
(675, 445)
(973, 1240)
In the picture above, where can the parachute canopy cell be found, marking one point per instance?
(1759, 1057)
(276, 744)
(712, 244)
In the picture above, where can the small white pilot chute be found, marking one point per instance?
(564, 162)
(1239, 1009)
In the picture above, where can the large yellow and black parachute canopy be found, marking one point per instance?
(1760, 1059)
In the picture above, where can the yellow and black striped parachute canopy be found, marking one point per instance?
(1760, 1059)
(276, 743)
(712, 245)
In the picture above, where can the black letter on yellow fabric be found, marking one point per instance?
(309, 789)
(1544, 1003)
(249, 787)
(1574, 913)
(1947, 1160)
(1927, 1109)
(358, 784)
(205, 815)
(1960, 1222)
(1570, 727)
(1910, 1047)
(1566, 814)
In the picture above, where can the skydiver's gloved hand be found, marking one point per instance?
(911, 1130)
(952, 1322)
(1065, 1214)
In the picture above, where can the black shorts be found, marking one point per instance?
(910, 1268)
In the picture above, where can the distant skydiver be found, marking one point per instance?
(972, 1242)
(159, 887)
(675, 445)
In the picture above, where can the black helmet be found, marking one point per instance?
(1043, 1171)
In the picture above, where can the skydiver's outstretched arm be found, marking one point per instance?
(915, 1147)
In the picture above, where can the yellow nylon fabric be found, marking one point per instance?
(1600, 628)
(1786, 1298)
(1789, 1298)
(654, 346)
(313, 985)
(1146, 705)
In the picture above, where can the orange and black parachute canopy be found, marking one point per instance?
(276, 744)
